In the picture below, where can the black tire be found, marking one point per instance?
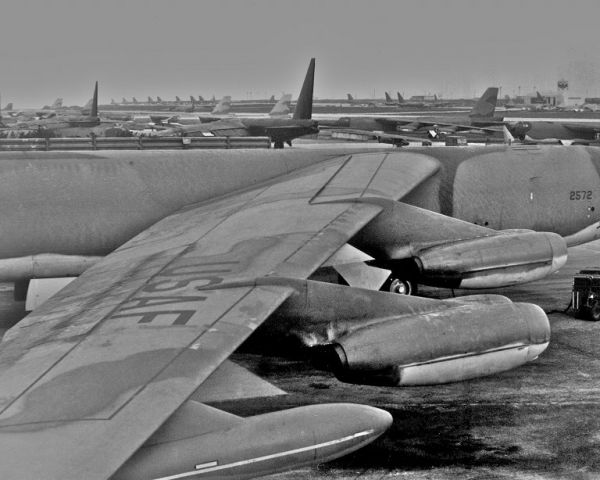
(278, 144)
(595, 312)
(402, 287)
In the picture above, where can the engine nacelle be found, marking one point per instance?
(468, 341)
(520, 129)
(437, 250)
(490, 262)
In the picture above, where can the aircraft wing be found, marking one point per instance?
(88, 377)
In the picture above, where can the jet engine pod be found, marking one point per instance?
(520, 129)
(490, 262)
(469, 340)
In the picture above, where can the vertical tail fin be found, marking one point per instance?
(94, 112)
(200, 98)
(400, 99)
(112, 101)
(9, 106)
(303, 109)
(388, 98)
(272, 99)
(124, 101)
(158, 99)
(486, 105)
(282, 107)
(134, 100)
(177, 99)
(350, 97)
(150, 99)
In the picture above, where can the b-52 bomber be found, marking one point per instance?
(558, 132)
(480, 121)
(60, 124)
(280, 130)
(181, 256)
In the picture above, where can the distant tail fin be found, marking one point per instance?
(223, 106)
(94, 112)
(124, 101)
(9, 106)
(192, 99)
(539, 96)
(150, 99)
(112, 101)
(177, 99)
(200, 98)
(57, 103)
(272, 99)
(305, 100)
(282, 107)
(388, 98)
(486, 105)
(134, 100)
(158, 99)
(400, 99)
(435, 97)
(350, 97)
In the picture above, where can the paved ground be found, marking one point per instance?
(536, 422)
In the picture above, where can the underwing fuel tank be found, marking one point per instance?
(467, 341)
(254, 446)
(489, 262)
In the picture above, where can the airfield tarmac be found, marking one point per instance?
(539, 421)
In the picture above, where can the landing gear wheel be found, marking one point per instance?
(278, 144)
(595, 312)
(402, 287)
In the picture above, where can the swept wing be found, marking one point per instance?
(93, 373)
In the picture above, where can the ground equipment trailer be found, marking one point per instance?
(586, 294)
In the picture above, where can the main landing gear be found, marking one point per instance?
(400, 286)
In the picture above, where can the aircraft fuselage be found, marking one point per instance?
(90, 203)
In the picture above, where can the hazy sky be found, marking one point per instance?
(256, 48)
